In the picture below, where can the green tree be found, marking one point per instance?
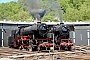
(72, 10)
(13, 11)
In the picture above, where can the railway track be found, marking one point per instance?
(79, 52)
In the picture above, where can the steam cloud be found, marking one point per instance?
(54, 6)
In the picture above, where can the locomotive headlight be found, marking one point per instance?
(64, 29)
(65, 26)
(51, 48)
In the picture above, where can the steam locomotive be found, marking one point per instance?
(42, 36)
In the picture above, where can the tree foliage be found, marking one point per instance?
(75, 10)
(13, 11)
(72, 10)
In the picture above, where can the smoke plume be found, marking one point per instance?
(48, 5)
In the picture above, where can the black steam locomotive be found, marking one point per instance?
(41, 36)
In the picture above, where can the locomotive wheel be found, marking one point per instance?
(69, 48)
(27, 49)
(20, 48)
(34, 48)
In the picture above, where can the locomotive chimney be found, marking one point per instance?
(37, 14)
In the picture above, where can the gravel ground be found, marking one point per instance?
(78, 52)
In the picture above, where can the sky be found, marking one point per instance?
(4, 1)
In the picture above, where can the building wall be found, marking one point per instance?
(81, 35)
(0, 37)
